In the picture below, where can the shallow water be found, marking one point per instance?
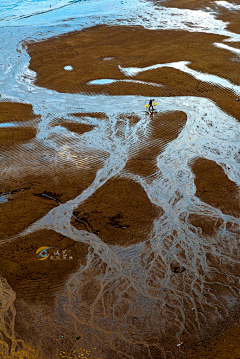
(136, 299)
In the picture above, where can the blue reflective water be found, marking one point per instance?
(68, 68)
(5, 124)
(3, 199)
(101, 82)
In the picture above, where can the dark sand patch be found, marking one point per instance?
(37, 280)
(85, 51)
(63, 174)
(215, 188)
(119, 212)
(36, 181)
(13, 135)
(44, 192)
(144, 163)
(37, 284)
(14, 112)
(209, 225)
(22, 209)
(163, 128)
(17, 112)
(166, 126)
(79, 128)
(99, 115)
(87, 48)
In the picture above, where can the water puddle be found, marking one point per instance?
(110, 81)
(102, 82)
(4, 125)
(3, 199)
(68, 68)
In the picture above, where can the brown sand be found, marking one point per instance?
(32, 195)
(224, 344)
(86, 50)
(230, 17)
(10, 136)
(99, 115)
(215, 188)
(79, 127)
(21, 210)
(32, 184)
(209, 226)
(36, 283)
(75, 127)
(162, 129)
(34, 279)
(119, 212)
(15, 112)
(62, 182)
(190, 4)
(187, 4)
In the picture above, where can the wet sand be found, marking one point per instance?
(75, 127)
(215, 188)
(87, 50)
(37, 181)
(119, 212)
(36, 283)
(162, 129)
(17, 113)
(35, 280)
(230, 17)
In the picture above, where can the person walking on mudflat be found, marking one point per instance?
(150, 105)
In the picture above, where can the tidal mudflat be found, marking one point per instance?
(119, 228)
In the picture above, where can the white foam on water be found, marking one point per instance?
(226, 47)
(74, 15)
(182, 66)
(228, 5)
